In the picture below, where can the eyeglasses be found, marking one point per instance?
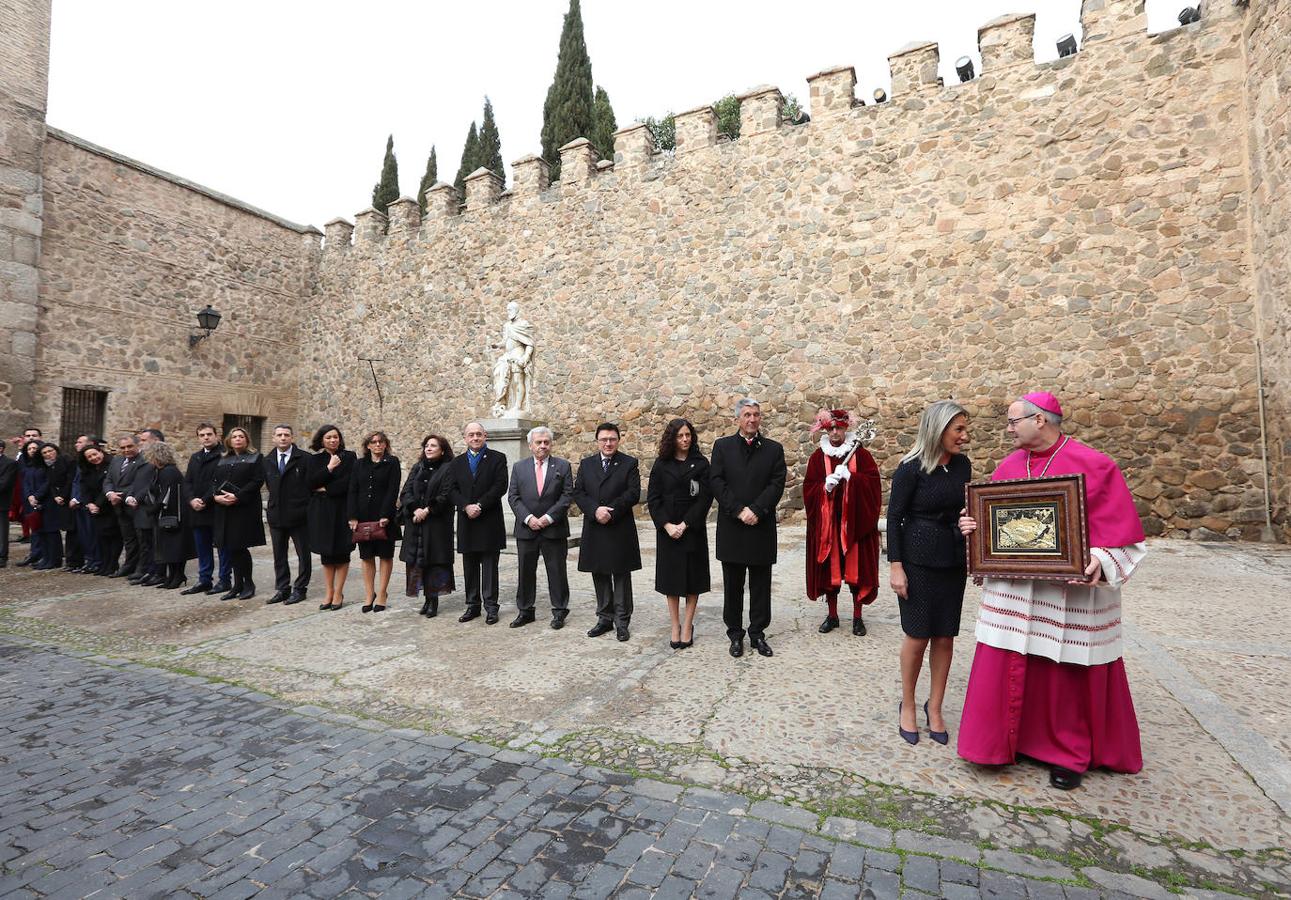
(1014, 422)
(608, 440)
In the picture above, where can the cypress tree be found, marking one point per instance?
(386, 190)
(567, 113)
(470, 157)
(603, 125)
(428, 180)
(490, 147)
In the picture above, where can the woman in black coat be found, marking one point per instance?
(97, 511)
(55, 517)
(167, 506)
(426, 505)
(34, 480)
(239, 524)
(374, 497)
(327, 474)
(679, 498)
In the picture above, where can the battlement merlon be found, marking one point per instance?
(760, 109)
(577, 161)
(405, 216)
(914, 68)
(442, 201)
(633, 146)
(1102, 19)
(369, 227)
(832, 91)
(483, 188)
(530, 176)
(1006, 42)
(337, 235)
(696, 129)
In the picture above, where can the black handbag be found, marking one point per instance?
(167, 522)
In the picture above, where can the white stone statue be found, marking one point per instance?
(513, 372)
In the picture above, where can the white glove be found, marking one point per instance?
(831, 481)
(843, 472)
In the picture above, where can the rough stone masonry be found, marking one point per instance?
(1111, 226)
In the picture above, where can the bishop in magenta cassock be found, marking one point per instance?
(1048, 680)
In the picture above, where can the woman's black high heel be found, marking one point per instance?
(941, 737)
(691, 642)
(910, 737)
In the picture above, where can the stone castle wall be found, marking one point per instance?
(1080, 226)
(129, 256)
(1268, 81)
(24, 70)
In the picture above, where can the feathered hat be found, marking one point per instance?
(831, 418)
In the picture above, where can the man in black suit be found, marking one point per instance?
(8, 478)
(116, 485)
(479, 482)
(147, 572)
(540, 492)
(199, 483)
(284, 474)
(748, 475)
(608, 486)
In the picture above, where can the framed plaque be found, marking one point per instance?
(1029, 528)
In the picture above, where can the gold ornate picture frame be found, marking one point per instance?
(1032, 528)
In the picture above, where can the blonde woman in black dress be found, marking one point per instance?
(926, 552)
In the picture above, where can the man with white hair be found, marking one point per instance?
(540, 492)
(1048, 680)
(748, 475)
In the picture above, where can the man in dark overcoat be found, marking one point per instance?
(479, 482)
(284, 475)
(199, 480)
(540, 492)
(147, 572)
(607, 488)
(747, 475)
(8, 478)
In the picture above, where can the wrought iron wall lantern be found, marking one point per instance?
(207, 320)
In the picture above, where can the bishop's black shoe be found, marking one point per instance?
(1064, 779)
(830, 623)
(858, 627)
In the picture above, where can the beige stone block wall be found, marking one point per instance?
(1080, 226)
(24, 77)
(129, 257)
(1268, 87)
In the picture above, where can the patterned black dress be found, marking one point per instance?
(923, 535)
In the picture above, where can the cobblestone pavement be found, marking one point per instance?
(124, 781)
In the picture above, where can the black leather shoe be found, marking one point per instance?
(119, 573)
(232, 593)
(830, 623)
(25, 562)
(557, 623)
(152, 580)
(248, 592)
(469, 615)
(599, 629)
(621, 634)
(737, 647)
(220, 587)
(136, 578)
(296, 597)
(1064, 779)
(760, 644)
(278, 597)
(425, 607)
(202, 587)
(491, 619)
(434, 609)
(858, 627)
(522, 620)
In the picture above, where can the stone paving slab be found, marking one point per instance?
(123, 781)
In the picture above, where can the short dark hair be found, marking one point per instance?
(443, 445)
(373, 435)
(39, 433)
(202, 426)
(316, 443)
(608, 426)
(154, 432)
(284, 425)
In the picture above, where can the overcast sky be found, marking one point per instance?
(286, 104)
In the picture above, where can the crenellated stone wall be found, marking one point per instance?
(130, 254)
(24, 71)
(1268, 87)
(1079, 226)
